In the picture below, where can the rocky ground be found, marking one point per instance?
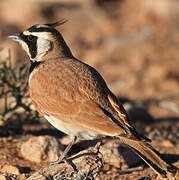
(134, 45)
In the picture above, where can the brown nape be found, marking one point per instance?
(59, 48)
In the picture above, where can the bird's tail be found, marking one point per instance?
(150, 156)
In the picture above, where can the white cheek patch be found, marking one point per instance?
(43, 45)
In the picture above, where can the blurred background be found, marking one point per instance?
(134, 44)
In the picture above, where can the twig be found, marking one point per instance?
(14, 90)
(169, 105)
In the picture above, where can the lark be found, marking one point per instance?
(75, 98)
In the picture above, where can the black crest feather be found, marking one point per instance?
(58, 23)
(46, 27)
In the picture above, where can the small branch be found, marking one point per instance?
(14, 90)
(88, 166)
(169, 105)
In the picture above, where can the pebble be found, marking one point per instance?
(41, 148)
(10, 169)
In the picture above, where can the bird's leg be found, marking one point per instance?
(97, 148)
(98, 145)
(65, 152)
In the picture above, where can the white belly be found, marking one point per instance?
(58, 124)
(67, 129)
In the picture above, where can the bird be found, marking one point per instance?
(75, 98)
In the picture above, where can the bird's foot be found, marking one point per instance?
(64, 160)
(65, 152)
(97, 147)
(58, 161)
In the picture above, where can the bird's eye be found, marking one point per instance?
(30, 38)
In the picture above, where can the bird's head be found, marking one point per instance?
(43, 42)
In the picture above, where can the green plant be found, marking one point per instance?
(14, 91)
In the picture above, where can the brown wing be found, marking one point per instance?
(123, 117)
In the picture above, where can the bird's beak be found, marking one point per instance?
(15, 37)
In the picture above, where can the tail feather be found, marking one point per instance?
(149, 155)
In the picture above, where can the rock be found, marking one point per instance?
(2, 177)
(42, 148)
(110, 153)
(10, 169)
(167, 143)
(7, 176)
